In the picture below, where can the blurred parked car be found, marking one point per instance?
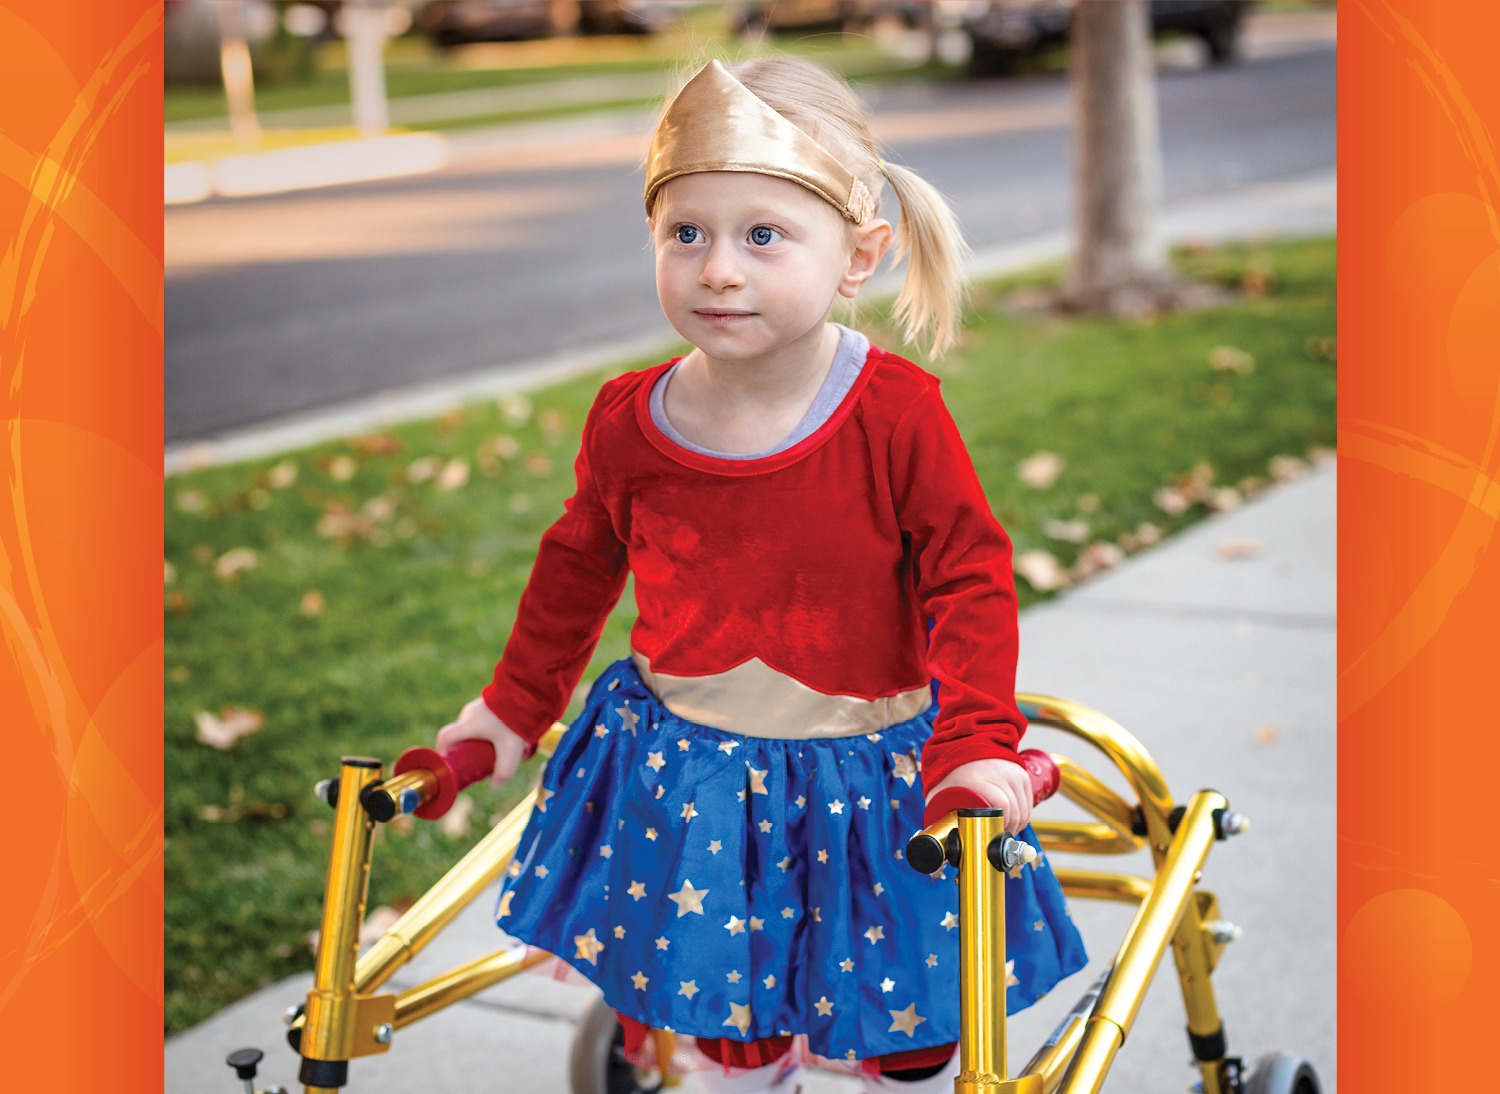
(1005, 31)
(456, 22)
(810, 16)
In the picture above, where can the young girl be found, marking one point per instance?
(826, 616)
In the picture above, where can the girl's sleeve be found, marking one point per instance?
(966, 586)
(577, 579)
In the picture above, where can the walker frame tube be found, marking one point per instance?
(343, 1020)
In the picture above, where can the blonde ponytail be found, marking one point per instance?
(929, 307)
(930, 304)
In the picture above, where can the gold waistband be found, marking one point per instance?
(755, 700)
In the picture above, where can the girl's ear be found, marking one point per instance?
(870, 243)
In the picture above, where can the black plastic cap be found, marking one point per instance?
(925, 853)
(360, 761)
(325, 1073)
(244, 1061)
(379, 805)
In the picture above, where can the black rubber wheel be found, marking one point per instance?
(1283, 1073)
(597, 1063)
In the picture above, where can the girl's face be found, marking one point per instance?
(749, 265)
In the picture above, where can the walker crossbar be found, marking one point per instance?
(343, 1019)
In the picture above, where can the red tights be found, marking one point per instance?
(768, 1050)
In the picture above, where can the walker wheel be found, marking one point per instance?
(597, 1064)
(1283, 1073)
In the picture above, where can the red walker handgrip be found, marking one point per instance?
(464, 764)
(1039, 765)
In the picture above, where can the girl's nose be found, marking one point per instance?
(721, 268)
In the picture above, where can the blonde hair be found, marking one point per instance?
(929, 307)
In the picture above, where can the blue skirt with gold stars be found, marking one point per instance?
(720, 885)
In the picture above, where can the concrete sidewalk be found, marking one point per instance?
(1223, 667)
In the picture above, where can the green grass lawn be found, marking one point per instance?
(355, 595)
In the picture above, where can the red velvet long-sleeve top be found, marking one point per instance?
(825, 561)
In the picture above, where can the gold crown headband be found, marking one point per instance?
(716, 123)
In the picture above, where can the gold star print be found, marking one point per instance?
(514, 869)
(825, 1008)
(733, 977)
(950, 921)
(630, 716)
(588, 807)
(619, 932)
(818, 915)
(905, 767)
(850, 1055)
(715, 847)
(600, 730)
(662, 943)
(823, 856)
(505, 905)
(847, 965)
(887, 985)
(906, 1020)
(651, 834)
(640, 980)
(1017, 870)
(682, 743)
(836, 806)
(637, 890)
(688, 899)
(736, 925)
(785, 864)
(588, 947)
(606, 851)
(580, 772)
(654, 761)
(1010, 974)
(541, 800)
(864, 802)
(739, 795)
(931, 960)
(787, 913)
(758, 780)
(770, 981)
(728, 747)
(765, 826)
(689, 988)
(757, 923)
(660, 790)
(739, 1017)
(878, 888)
(541, 871)
(688, 812)
(1039, 926)
(875, 934)
(801, 801)
(873, 736)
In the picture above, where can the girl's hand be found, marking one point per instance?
(1002, 783)
(477, 722)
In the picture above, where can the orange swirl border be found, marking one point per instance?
(80, 540)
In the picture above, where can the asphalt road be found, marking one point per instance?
(283, 304)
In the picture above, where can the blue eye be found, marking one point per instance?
(686, 233)
(763, 236)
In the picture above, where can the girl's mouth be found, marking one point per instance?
(723, 317)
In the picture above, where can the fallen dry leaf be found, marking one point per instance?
(453, 475)
(1322, 349)
(231, 724)
(343, 524)
(376, 444)
(457, 821)
(515, 409)
(1239, 548)
(1040, 470)
(1256, 281)
(312, 603)
(1068, 531)
(282, 475)
(341, 468)
(538, 464)
(1147, 533)
(235, 560)
(1097, 557)
(452, 420)
(1231, 359)
(1226, 499)
(1042, 570)
(505, 446)
(551, 423)
(380, 508)
(169, 573)
(1287, 468)
(1251, 485)
(178, 604)
(1321, 456)
(423, 469)
(1265, 735)
(192, 501)
(1171, 501)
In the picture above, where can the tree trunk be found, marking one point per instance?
(234, 64)
(1120, 265)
